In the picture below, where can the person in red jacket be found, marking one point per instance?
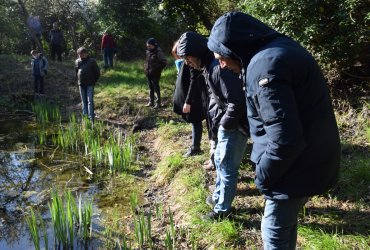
(109, 48)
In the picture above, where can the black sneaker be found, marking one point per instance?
(213, 216)
(149, 104)
(192, 151)
(210, 202)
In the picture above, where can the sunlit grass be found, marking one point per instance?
(310, 238)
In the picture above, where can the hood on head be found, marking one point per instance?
(239, 36)
(192, 44)
(152, 41)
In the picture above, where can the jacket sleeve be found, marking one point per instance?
(162, 59)
(232, 90)
(192, 88)
(276, 105)
(102, 46)
(46, 63)
(96, 70)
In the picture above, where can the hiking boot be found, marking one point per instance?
(157, 105)
(213, 216)
(149, 104)
(192, 151)
(210, 202)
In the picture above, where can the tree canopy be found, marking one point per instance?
(335, 31)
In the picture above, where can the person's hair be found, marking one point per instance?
(81, 50)
(34, 52)
(174, 50)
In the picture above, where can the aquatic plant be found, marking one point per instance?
(134, 201)
(32, 225)
(44, 231)
(85, 219)
(172, 228)
(59, 219)
(46, 112)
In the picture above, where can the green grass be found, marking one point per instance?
(318, 239)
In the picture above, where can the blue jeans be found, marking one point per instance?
(279, 223)
(197, 130)
(87, 97)
(228, 156)
(108, 57)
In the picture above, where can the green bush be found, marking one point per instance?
(334, 31)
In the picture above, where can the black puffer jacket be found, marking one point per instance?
(227, 105)
(190, 89)
(296, 144)
(87, 71)
(155, 62)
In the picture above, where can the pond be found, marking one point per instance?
(29, 172)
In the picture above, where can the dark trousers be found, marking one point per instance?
(197, 129)
(153, 83)
(56, 50)
(108, 54)
(38, 84)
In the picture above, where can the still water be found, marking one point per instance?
(28, 173)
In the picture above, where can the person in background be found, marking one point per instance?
(296, 145)
(88, 73)
(39, 68)
(154, 64)
(190, 100)
(56, 39)
(229, 119)
(109, 48)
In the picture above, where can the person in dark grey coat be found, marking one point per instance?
(190, 100)
(228, 114)
(88, 73)
(296, 146)
(56, 39)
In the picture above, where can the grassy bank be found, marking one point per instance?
(335, 220)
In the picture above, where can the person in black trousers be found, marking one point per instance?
(154, 64)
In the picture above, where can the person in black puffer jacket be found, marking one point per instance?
(88, 73)
(154, 64)
(229, 118)
(296, 146)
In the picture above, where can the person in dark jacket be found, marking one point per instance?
(56, 39)
(296, 146)
(190, 100)
(154, 64)
(88, 73)
(228, 113)
(109, 48)
(39, 65)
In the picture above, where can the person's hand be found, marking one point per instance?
(186, 108)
